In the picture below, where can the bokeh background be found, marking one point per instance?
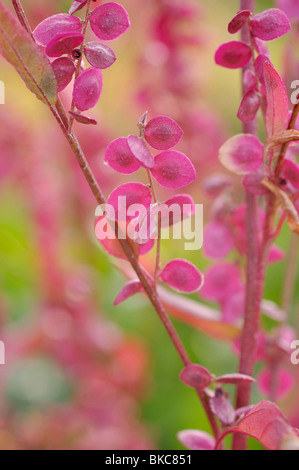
(80, 373)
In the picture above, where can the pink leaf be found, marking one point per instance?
(235, 379)
(196, 440)
(88, 88)
(162, 133)
(119, 157)
(130, 289)
(265, 423)
(108, 21)
(270, 24)
(83, 119)
(54, 25)
(99, 55)
(277, 101)
(239, 21)
(125, 196)
(242, 154)
(64, 70)
(173, 169)
(222, 408)
(196, 376)
(218, 240)
(283, 385)
(233, 55)
(249, 106)
(182, 276)
(64, 44)
(140, 151)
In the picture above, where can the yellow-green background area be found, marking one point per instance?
(169, 406)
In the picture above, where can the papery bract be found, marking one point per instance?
(220, 281)
(233, 55)
(130, 289)
(162, 133)
(218, 240)
(242, 154)
(222, 408)
(99, 55)
(76, 6)
(196, 376)
(54, 25)
(249, 106)
(270, 24)
(140, 151)
(119, 157)
(235, 379)
(196, 440)
(290, 172)
(108, 21)
(126, 195)
(64, 44)
(277, 100)
(64, 70)
(87, 89)
(182, 276)
(239, 21)
(83, 119)
(173, 169)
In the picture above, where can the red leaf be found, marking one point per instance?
(265, 423)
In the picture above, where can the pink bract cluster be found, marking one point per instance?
(63, 37)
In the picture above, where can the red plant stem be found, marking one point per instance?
(254, 280)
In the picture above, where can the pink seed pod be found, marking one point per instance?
(108, 21)
(242, 154)
(88, 88)
(176, 209)
(249, 80)
(182, 276)
(233, 307)
(196, 376)
(233, 55)
(162, 133)
(290, 172)
(196, 440)
(141, 151)
(99, 55)
(239, 21)
(285, 382)
(222, 408)
(124, 196)
(218, 240)
(64, 70)
(261, 47)
(249, 106)
(130, 289)
(54, 25)
(82, 119)
(215, 184)
(253, 183)
(220, 281)
(64, 44)
(119, 157)
(270, 24)
(235, 379)
(290, 7)
(173, 169)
